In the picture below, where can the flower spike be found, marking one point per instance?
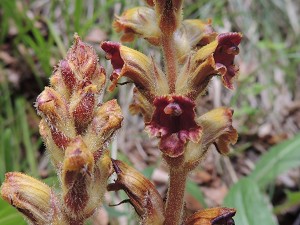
(76, 129)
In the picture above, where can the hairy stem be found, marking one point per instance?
(169, 53)
(175, 200)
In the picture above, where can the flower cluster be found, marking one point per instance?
(76, 128)
(167, 99)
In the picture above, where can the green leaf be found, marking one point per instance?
(9, 215)
(252, 206)
(194, 190)
(277, 160)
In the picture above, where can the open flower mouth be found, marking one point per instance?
(174, 121)
(224, 56)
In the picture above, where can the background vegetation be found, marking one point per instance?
(261, 178)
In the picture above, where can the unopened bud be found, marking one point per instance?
(82, 107)
(77, 170)
(32, 198)
(107, 119)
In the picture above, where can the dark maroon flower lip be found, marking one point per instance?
(224, 55)
(112, 50)
(173, 121)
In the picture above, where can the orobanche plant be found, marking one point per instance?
(77, 128)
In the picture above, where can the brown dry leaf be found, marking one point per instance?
(96, 35)
(201, 176)
(192, 203)
(215, 195)
(100, 217)
(7, 58)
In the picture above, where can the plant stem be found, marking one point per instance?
(175, 200)
(169, 53)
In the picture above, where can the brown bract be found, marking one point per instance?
(212, 216)
(32, 198)
(141, 192)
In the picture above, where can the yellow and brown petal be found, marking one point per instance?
(212, 216)
(140, 104)
(191, 35)
(173, 121)
(147, 77)
(139, 21)
(217, 129)
(141, 192)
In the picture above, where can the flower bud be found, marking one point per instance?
(106, 120)
(83, 61)
(191, 35)
(82, 107)
(54, 110)
(141, 192)
(51, 106)
(77, 171)
(142, 105)
(212, 216)
(97, 188)
(59, 85)
(54, 145)
(32, 198)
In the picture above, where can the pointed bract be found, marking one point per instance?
(34, 199)
(141, 192)
(212, 216)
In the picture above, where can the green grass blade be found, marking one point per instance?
(30, 151)
(78, 15)
(57, 39)
(6, 145)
